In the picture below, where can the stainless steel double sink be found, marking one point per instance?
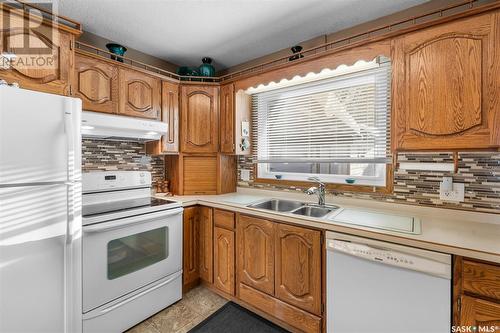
(295, 207)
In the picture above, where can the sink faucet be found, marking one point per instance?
(320, 190)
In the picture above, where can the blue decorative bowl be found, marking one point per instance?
(116, 49)
(350, 180)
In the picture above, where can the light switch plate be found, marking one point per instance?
(245, 128)
(245, 175)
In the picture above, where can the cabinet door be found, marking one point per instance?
(445, 86)
(44, 56)
(139, 94)
(298, 267)
(199, 175)
(206, 226)
(224, 260)
(478, 312)
(96, 84)
(199, 119)
(191, 271)
(227, 143)
(170, 115)
(255, 242)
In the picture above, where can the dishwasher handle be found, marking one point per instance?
(435, 264)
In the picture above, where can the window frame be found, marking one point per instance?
(339, 185)
(387, 189)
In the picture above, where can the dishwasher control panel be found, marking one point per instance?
(390, 257)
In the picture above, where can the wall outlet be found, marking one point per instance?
(245, 175)
(449, 191)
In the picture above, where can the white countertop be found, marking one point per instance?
(465, 233)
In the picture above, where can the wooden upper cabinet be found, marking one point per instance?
(96, 83)
(199, 119)
(140, 94)
(227, 130)
(446, 81)
(298, 267)
(169, 144)
(235, 110)
(170, 115)
(206, 227)
(44, 55)
(255, 248)
(478, 312)
(199, 174)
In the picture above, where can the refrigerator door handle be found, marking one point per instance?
(69, 131)
(70, 212)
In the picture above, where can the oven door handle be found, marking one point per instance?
(128, 300)
(125, 222)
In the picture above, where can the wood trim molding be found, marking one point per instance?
(388, 189)
(318, 63)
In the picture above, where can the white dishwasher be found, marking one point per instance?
(374, 286)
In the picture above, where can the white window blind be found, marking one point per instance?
(343, 119)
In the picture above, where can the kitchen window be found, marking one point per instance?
(336, 128)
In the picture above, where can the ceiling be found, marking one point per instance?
(229, 31)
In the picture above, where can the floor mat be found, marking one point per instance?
(232, 318)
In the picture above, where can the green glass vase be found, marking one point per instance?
(206, 69)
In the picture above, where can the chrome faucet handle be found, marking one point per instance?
(311, 190)
(315, 179)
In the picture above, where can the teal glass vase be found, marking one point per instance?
(206, 69)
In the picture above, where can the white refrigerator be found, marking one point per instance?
(40, 212)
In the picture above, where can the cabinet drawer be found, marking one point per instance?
(303, 321)
(224, 219)
(481, 279)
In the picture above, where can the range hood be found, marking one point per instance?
(113, 127)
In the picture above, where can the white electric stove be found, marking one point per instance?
(132, 250)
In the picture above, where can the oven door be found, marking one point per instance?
(126, 254)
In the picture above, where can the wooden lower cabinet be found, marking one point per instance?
(288, 315)
(190, 265)
(272, 268)
(224, 251)
(206, 227)
(479, 312)
(476, 294)
(279, 271)
(224, 260)
(255, 246)
(298, 267)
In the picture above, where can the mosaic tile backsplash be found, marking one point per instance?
(120, 155)
(480, 172)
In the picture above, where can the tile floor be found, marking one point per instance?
(182, 316)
